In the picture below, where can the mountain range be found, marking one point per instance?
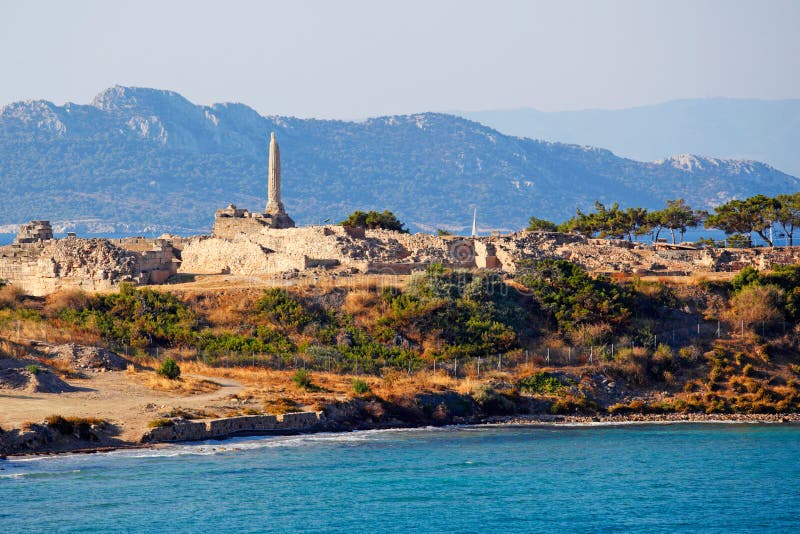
(762, 130)
(136, 160)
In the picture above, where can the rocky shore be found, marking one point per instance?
(50, 444)
(780, 418)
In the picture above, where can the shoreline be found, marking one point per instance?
(533, 420)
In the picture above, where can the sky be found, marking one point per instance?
(352, 59)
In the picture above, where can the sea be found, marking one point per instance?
(583, 478)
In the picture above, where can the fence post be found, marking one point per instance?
(548, 355)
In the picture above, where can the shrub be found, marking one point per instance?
(33, 369)
(573, 404)
(541, 384)
(571, 296)
(748, 276)
(302, 379)
(360, 387)
(71, 425)
(758, 303)
(75, 300)
(169, 369)
(492, 402)
(373, 219)
(283, 308)
(160, 423)
(59, 423)
(10, 296)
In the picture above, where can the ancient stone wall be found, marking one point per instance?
(182, 430)
(91, 264)
(34, 231)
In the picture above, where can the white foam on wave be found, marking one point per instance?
(32, 465)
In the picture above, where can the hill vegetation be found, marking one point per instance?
(551, 339)
(142, 159)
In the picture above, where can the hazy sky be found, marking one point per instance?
(347, 59)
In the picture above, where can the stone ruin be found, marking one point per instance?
(253, 244)
(45, 266)
(34, 231)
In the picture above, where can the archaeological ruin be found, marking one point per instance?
(251, 244)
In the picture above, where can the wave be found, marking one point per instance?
(39, 474)
(32, 466)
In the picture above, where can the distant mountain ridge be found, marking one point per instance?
(137, 158)
(763, 130)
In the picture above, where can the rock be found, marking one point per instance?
(82, 357)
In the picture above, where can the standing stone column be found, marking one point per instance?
(274, 204)
(275, 214)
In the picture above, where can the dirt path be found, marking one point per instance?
(114, 396)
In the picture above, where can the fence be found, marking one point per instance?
(674, 334)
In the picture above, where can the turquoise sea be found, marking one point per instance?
(644, 478)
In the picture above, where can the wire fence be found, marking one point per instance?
(675, 334)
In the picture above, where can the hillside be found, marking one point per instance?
(143, 159)
(762, 130)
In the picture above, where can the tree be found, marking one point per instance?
(373, 220)
(540, 225)
(679, 216)
(755, 214)
(788, 214)
(637, 222)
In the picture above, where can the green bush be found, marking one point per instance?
(283, 308)
(33, 369)
(169, 369)
(302, 379)
(571, 296)
(360, 387)
(137, 317)
(541, 384)
(373, 219)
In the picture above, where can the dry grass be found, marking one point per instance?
(75, 299)
(62, 368)
(364, 305)
(185, 385)
(11, 296)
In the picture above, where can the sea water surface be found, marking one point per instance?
(646, 478)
